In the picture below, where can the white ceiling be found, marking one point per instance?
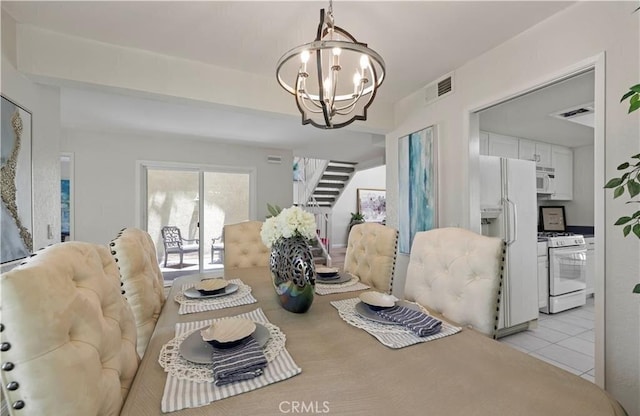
(530, 116)
(419, 41)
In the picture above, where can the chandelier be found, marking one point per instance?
(336, 77)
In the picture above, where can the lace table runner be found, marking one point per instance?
(187, 305)
(393, 336)
(350, 286)
(181, 393)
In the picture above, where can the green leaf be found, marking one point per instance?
(636, 214)
(623, 220)
(273, 210)
(619, 191)
(637, 288)
(636, 156)
(627, 95)
(626, 230)
(633, 187)
(636, 230)
(635, 88)
(634, 106)
(614, 183)
(623, 166)
(635, 98)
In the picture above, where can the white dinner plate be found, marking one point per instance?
(198, 351)
(194, 293)
(366, 312)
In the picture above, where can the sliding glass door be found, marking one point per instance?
(194, 202)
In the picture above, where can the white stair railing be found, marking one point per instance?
(313, 169)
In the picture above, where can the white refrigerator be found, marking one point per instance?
(509, 211)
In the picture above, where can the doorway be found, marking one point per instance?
(66, 197)
(195, 202)
(595, 158)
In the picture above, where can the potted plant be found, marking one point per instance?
(356, 218)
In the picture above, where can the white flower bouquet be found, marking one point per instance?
(290, 222)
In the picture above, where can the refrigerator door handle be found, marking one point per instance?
(515, 220)
(512, 221)
(507, 221)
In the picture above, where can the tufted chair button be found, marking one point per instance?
(8, 366)
(18, 404)
(5, 346)
(13, 386)
(1, 327)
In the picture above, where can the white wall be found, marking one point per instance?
(44, 104)
(373, 178)
(538, 55)
(105, 171)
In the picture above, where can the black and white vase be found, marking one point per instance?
(293, 273)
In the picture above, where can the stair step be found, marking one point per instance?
(341, 169)
(339, 162)
(325, 199)
(335, 177)
(330, 185)
(326, 193)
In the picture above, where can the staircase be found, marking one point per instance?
(335, 177)
(323, 182)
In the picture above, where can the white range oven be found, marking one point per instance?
(567, 272)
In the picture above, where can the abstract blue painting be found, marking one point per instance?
(417, 185)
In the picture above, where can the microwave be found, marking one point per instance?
(545, 180)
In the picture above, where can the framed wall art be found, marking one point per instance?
(15, 165)
(552, 219)
(372, 203)
(417, 185)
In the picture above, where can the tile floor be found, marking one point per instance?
(565, 339)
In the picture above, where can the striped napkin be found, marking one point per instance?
(419, 323)
(242, 362)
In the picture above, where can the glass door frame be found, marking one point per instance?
(141, 205)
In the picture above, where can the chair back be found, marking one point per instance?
(68, 336)
(457, 273)
(171, 237)
(243, 246)
(371, 254)
(135, 254)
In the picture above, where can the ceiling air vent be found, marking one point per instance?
(439, 88)
(581, 114)
(274, 159)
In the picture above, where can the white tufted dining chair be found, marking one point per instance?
(243, 246)
(457, 273)
(142, 281)
(371, 254)
(68, 335)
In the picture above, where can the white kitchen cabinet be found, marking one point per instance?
(543, 275)
(562, 162)
(591, 264)
(484, 143)
(538, 152)
(503, 146)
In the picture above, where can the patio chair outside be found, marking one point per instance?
(174, 243)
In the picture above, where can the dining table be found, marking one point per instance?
(346, 371)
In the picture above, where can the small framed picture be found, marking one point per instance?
(372, 204)
(553, 219)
